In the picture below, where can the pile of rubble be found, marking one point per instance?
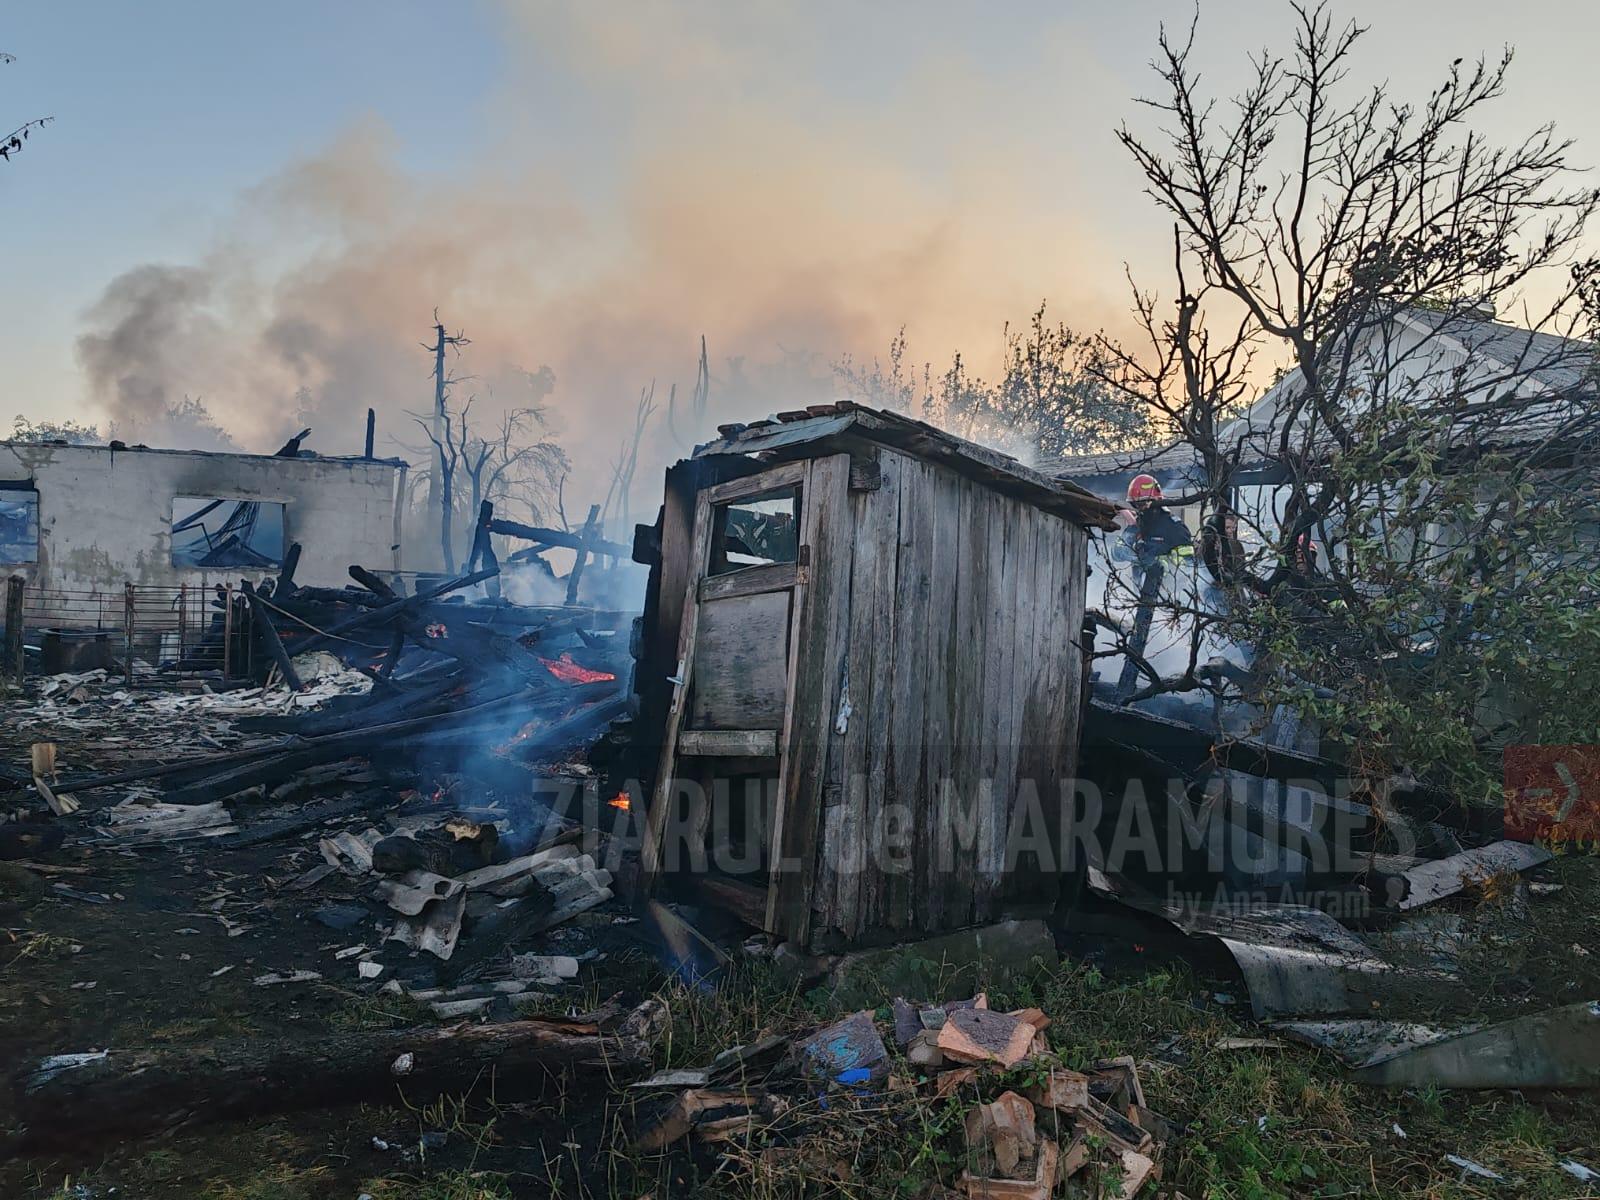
(364, 671)
(422, 888)
(1029, 1124)
(402, 758)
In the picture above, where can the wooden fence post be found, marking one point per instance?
(129, 610)
(227, 632)
(16, 655)
(183, 623)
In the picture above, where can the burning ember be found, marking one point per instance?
(522, 735)
(567, 671)
(620, 800)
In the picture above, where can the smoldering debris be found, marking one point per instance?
(406, 741)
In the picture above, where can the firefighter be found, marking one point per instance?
(1150, 536)
(1150, 532)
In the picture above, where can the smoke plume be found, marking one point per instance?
(692, 192)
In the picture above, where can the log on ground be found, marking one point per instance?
(74, 1097)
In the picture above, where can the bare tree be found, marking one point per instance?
(439, 495)
(698, 402)
(11, 143)
(1047, 394)
(627, 463)
(1411, 561)
(893, 384)
(514, 460)
(441, 482)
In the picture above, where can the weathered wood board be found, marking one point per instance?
(741, 662)
(963, 670)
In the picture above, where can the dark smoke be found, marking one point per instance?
(140, 332)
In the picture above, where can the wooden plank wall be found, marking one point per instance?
(963, 672)
(815, 680)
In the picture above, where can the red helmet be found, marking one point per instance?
(1143, 487)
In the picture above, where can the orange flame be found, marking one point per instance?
(620, 800)
(567, 671)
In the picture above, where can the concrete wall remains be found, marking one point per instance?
(105, 515)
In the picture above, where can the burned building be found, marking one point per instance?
(87, 519)
(877, 626)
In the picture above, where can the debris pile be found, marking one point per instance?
(1027, 1124)
(406, 758)
(367, 671)
(412, 905)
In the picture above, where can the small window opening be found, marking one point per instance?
(756, 532)
(211, 532)
(19, 525)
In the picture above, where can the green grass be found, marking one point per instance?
(1257, 1124)
(1275, 1124)
(381, 1010)
(753, 1002)
(218, 1019)
(277, 1182)
(39, 947)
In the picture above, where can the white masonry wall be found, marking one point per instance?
(105, 516)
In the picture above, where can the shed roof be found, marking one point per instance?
(827, 428)
(1172, 456)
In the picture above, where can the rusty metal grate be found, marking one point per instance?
(184, 629)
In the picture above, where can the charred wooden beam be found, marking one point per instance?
(268, 633)
(15, 661)
(327, 595)
(388, 612)
(336, 745)
(585, 547)
(75, 1096)
(558, 537)
(371, 582)
(269, 831)
(285, 585)
(483, 554)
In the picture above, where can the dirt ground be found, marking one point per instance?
(171, 957)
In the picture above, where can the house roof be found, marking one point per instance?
(1563, 373)
(1559, 363)
(349, 460)
(1554, 378)
(825, 428)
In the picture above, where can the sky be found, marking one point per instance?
(262, 205)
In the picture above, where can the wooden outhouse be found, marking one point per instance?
(862, 651)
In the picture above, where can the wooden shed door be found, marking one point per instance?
(747, 567)
(753, 630)
(745, 581)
